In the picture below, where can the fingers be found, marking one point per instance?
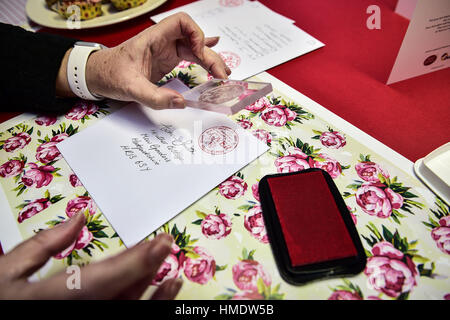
(113, 276)
(32, 254)
(146, 93)
(181, 25)
(168, 290)
(213, 63)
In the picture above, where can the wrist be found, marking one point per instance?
(79, 73)
(62, 87)
(93, 73)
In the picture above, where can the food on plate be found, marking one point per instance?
(127, 4)
(89, 9)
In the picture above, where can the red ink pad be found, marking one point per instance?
(310, 229)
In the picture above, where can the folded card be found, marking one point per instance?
(142, 166)
(426, 46)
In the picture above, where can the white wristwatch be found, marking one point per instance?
(76, 68)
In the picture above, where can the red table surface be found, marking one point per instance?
(348, 75)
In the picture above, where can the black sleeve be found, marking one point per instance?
(30, 63)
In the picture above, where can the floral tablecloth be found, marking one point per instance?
(222, 250)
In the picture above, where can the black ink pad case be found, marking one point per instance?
(310, 229)
(226, 96)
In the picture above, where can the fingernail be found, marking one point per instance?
(77, 216)
(177, 103)
(73, 219)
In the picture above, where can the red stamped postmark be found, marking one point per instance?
(231, 3)
(218, 140)
(231, 59)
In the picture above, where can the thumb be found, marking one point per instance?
(156, 97)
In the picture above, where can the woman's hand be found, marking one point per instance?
(128, 71)
(124, 276)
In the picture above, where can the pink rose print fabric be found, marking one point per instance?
(74, 181)
(81, 110)
(254, 223)
(246, 274)
(245, 123)
(11, 168)
(48, 152)
(441, 235)
(344, 295)
(233, 188)
(296, 160)
(259, 105)
(37, 176)
(368, 171)
(388, 272)
(202, 269)
(255, 191)
(45, 120)
(334, 139)
(216, 226)
(80, 203)
(376, 201)
(33, 208)
(278, 115)
(330, 165)
(17, 142)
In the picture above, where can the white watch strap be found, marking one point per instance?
(76, 71)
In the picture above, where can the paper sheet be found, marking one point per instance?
(253, 37)
(152, 157)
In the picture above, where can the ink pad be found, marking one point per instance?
(310, 229)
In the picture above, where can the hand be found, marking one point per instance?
(128, 71)
(124, 276)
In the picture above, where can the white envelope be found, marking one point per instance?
(142, 167)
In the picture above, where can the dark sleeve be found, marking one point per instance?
(30, 63)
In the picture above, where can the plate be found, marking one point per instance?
(38, 11)
(434, 171)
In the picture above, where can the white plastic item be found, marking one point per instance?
(434, 171)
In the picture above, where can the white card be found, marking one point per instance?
(252, 37)
(426, 46)
(142, 167)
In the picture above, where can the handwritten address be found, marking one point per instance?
(161, 146)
